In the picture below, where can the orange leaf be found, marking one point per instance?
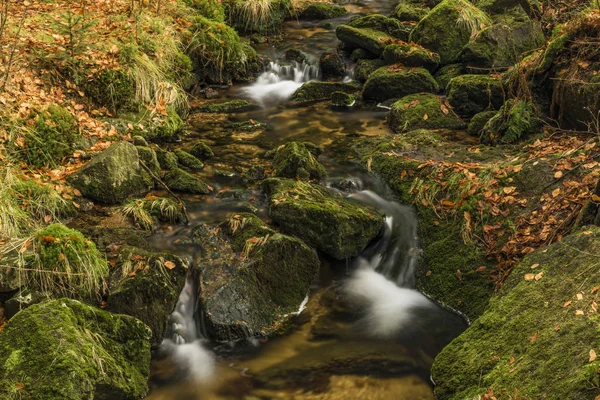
(529, 277)
(534, 337)
(539, 276)
(592, 355)
(558, 174)
(556, 192)
(535, 266)
(425, 117)
(169, 264)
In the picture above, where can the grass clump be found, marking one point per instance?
(147, 212)
(211, 9)
(113, 89)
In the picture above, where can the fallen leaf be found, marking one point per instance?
(481, 269)
(459, 274)
(169, 264)
(579, 296)
(508, 189)
(428, 273)
(556, 192)
(558, 174)
(511, 361)
(539, 276)
(567, 304)
(534, 337)
(557, 328)
(579, 312)
(596, 198)
(444, 109)
(592, 355)
(529, 277)
(595, 289)
(425, 117)
(534, 266)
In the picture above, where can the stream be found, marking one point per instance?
(363, 331)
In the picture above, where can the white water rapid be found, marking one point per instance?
(279, 82)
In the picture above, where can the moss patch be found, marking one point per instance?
(315, 91)
(422, 111)
(294, 160)
(398, 81)
(471, 94)
(181, 181)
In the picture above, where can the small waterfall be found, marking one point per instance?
(279, 82)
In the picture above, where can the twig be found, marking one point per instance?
(12, 54)
(157, 179)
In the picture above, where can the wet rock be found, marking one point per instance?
(410, 10)
(146, 285)
(411, 55)
(397, 81)
(478, 122)
(107, 239)
(516, 120)
(315, 91)
(254, 174)
(139, 141)
(371, 33)
(20, 301)
(378, 22)
(337, 226)
(252, 277)
(528, 321)
(444, 75)
(296, 55)
(422, 111)
(148, 157)
(331, 65)
(320, 11)
(501, 45)
(211, 93)
(232, 106)
(361, 54)
(364, 68)
(472, 94)
(112, 176)
(444, 30)
(64, 349)
(202, 151)
(341, 99)
(294, 160)
(167, 159)
(181, 181)
(188, 161)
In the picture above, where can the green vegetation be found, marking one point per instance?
(181, 181)
(316, 91)
(398, 81)
(471, 94)
(422, 111)
(188, 161)
(515, 120)
(146, 212)
(294, 160)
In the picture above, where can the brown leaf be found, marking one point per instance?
(444, 109)
(425, 117)
(592, 355)
(539, 276)
(579, 296)
(595, 289)
(558, 174)
(481, 269)
(508, 189)
(169, 264)
(511, 361)
(596, 198)
(579, 312)
(529, 277)
(567, 304)
(428, 273)
(556, 192)
(534, 266)
(459, 274)
(534, 337)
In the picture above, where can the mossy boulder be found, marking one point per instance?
(253, 278)
(146, 285)
(228, 106)
(391, 26)
(544, 311)
(341, 99)
(113, 89)
(316, 91)
(410, 10)
(478, 122)
(64, 349)
(397, 81)
(472, 94)
(411, 55)
(494, 7)
(165, 128)
(148, 157)
(113, 175)
(501, 45)
(444, 75)
(332, 65)
(53, 137)
(320, 11)
(422, 111)
(364, 68)
(166, 159)
(371, 33)
(516, 120)
(294, 160)
(337, 226)
(579, 104)
(448, 27)
(188, 161)
(201, 151)
(182, 181)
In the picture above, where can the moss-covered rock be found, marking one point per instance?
(252, 277)
(478, 122)
(448, 27)
(411, 55)
(63, 349)
(148, 156)
(493, 7)
(146, 285)
(579, 103)
(211, 9)
(316, 91)
(516, 120)
(371, 33)
(165, 128)
(112, 175)
(111, 88)
(54, 135)
(410, 10)
(166, 159)
(258, 17)
(364, 68)
(181, 181)
(472, 94)
(341, 99)
(546, 313)
(188, 161)
(228, 107)
(339, 227)
(501, 45)
(294, 160)
(320, 11)
(331, 65)
(444, 75)
(201, 151)
(378, 22)
(398, 81)
(422, 111)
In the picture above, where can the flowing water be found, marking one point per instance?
(364, 332)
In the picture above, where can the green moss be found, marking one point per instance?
(397, 81)
(167, 159)
(53, 137)
(227, 106)
(181, 181)
(294, 160)
(448, 27)
(526, 322)
(319, 11)
(515, 120)
(371, 40)
(188, 161)
(66, 264)
(472, 94)
(411, 55)
(331, 65)
(425, 111)
(478, 122)
(381, 23)
(165, 128)
(444, 75)
(332, 224)
(113, 89)
(211, 9)
(258, 17)
(41, 201)
(406, 11)
(148, 157)
(341, 99)
(364, 68)
(315, 91)
(202, 151)
(552, 50)
(65, 350)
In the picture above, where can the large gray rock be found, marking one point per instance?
(113, 175)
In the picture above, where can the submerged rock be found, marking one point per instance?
(341, 99)
(315, 91)
(397, 81)
(536, 336)
(252, 277)
(294, 160)
(471, 94)
(202, 151)
(146, 285)
(422, 111)
(335, 225)
(181, 181)
(228, 107)
(64, 349)
(113, 175)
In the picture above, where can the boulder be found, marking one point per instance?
(545, 313)
(148, 157)
(232, 106)
(364, 68)
(516, 120)
(446, 73)
(201, 151)
(478, 122)
(448, 27)
(397, 81)
(316, 91)
(167, 159)
(181, 181)
(410, 10)
(331, 65)
(411, 55)
(422, 111)
(341, 99)
(64, 349)
(294, 160)
(146, 285)
(493, 7)
(333, 224)
(113, 175)
(252, 278)
(472, 94)
(188, 161)
(320, 11)
(371, 33)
